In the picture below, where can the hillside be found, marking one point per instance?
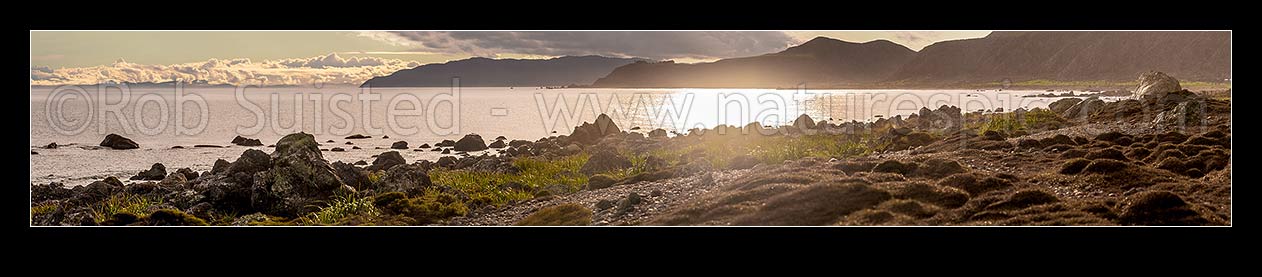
(821, 61)
(484, 72)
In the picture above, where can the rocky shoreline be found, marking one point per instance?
(1160, 158)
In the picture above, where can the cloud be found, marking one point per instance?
(331, 69)
(643, 44)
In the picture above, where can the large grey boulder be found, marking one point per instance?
(1155, 85)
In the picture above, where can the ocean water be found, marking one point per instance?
(83, 116)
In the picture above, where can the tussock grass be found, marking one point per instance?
(340, 208)
(124, 203)
(534, 173)
(720, 150)
(1036, 119)
(43, 209)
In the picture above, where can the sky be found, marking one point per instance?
(350, 57)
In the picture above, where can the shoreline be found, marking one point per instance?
(1077, 162)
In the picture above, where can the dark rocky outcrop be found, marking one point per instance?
(445, 143)
(244, 141)
(604, 160)
(298, 179)
(155, 173)
(118, 142)
(399, 145)
(588, 133)
(387, 160)
(470, 142)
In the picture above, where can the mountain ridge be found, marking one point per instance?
(486, 72)
(1071, 56)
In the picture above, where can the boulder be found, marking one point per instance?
(411, 179)
(399, 145)
(657, 133)
(338, 149)
(446, 161)
(1186, 114)
(497, 144)
(604, 160)
(423, 146)
(51, 146)
(804, 122)
(119, 142)
(244, 141)
(1155, 85)
(189, 174)
(588, 133)
(1083, 109)
(944, 118)
(518, 143)
(470, 142)
(50, 191)
(358, 136)
(599, 182)
(97, 190)
(298, 181)
(251, 161)
(1062, 105)
(446, 143)
(155, 173)
(220, 166)
(173, 180)
(387, 160)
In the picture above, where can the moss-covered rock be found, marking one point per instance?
(568, 214)
(169, 217)
(600, 181)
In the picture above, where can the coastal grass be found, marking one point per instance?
(720, 150)
(533, 173)
(639, 164)
(124, 203)
(222, 218)
(1036, 119)
(340, 208)
(45, 208)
